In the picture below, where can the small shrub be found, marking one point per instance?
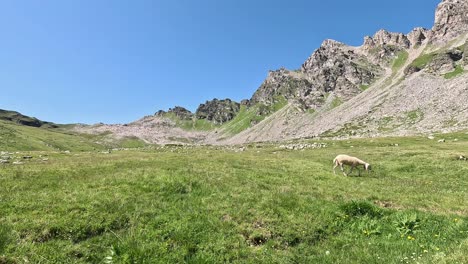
(407, 224)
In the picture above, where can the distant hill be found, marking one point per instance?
(20, 132)
(24, 120)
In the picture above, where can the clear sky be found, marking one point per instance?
(114, 61)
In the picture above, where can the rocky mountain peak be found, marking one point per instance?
(451, 20)
(383, 37)
(331, 44)
(178, 111)
(218, 111)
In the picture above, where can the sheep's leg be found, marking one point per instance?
(351, 170)
(342, 170)
(334, 167)
(359, 171)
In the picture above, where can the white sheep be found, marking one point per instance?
(341, 160)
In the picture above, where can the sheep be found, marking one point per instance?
(341, 160)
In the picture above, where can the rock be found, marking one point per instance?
(218, 111)
(441, 140)
(411, 69)
(384, 38)
(334, 67)
(441, 64)
(5, 157)
(245, 102)
(465, 53)
(451, 20)
(18, 163)
(178, 111)
(4, 161)
(461, 157)
(27, 157)
(417, 36)
(431, 137)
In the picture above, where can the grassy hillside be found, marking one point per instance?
(191, 125)
(262, 205)
(14, 137)
(18, 118)
(249, 116)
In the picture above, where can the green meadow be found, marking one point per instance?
(223, 205)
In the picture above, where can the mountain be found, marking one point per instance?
(393, 84)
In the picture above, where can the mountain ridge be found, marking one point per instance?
(393, 84)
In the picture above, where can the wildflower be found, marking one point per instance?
(455, 220)
(411, 238)
(437, 248)
(425, 251)
(327, 252)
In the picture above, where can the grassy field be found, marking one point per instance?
(222, 205)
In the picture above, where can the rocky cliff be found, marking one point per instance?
(451, 20)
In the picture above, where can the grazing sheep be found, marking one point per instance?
(341, 160)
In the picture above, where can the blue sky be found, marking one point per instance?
(114, 61)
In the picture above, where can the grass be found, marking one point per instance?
(18, 137)
(414, 116)
(423, 60)
(193, 124)
(364, 87)
(336, 102)
(264, 205)
(399, 61)
(458, 71)
(249, 115)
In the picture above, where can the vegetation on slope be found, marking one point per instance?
(263, 205)
(399, 61)
(458, 71)
(192, 124)
(18, 137)
(24, 120)
(248, 116)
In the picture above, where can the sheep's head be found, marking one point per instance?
(367, 166)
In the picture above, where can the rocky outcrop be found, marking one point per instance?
(178, 111)
(417, 36)
(451, 20)
(383, 37)
(338, 68)
(283, 83)
(218, 111)
(441, 63)
(334, 67)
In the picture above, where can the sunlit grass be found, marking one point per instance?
(263, 205)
